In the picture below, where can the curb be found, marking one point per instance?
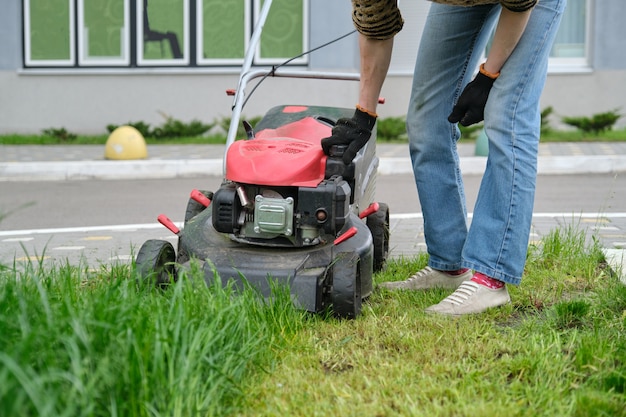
(546, 165)
(616, 258)
(109, 170)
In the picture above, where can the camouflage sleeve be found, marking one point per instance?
(513, 5)
(377, 19)
(518, 5)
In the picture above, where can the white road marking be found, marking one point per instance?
(616, 257)
(86, 229)
(18, 239)
(405, 216)
(148, 226)
(121, 258)
(69, 248)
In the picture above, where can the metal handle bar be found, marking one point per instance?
(247, 75)
(240, 93)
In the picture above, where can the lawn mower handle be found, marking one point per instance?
(247, 75)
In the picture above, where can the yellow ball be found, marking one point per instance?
(125, 142)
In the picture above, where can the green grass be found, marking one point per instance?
(551, 135)
(558, 350)
(77, 343)
(14, 139)
(90, 343)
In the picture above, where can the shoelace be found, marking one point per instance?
(463, 293)
(420, 273)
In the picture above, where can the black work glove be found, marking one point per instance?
(470, 108)
(353, 132)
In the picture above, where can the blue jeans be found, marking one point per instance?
(451, 48)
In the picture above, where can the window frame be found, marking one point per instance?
(209, 62)
(303, 60)
(577, 64)
(139, 42)
(28, 60)
(83, 41)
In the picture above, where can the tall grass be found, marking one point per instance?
(75, 343)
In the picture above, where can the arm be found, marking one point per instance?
(377, 22)
(509, 30)
(353, 133)
(375, 59)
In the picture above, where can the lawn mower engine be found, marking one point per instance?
(287, 213)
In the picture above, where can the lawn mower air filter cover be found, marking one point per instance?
(290, 155)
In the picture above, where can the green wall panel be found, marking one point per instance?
(166, 38)
(282, 35)
(49, 30)
(223, 29)
(105, 20)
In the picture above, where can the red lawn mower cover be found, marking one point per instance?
(290, 155)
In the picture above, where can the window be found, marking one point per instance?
(159, 33)
(49, 34)
(570, 48)
(104, 32)
(223, 30)
(284, 33)
(161, 29)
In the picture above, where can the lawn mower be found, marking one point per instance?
(285, 213)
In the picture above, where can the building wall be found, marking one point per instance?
(609, 47)
(85, 101)
(10, 33)
(603, 87)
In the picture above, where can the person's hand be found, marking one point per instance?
(470, 108)
(352, 132)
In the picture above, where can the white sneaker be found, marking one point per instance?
(471, 298)
(428, 278)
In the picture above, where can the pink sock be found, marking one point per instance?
(457, 272)
(488, 282)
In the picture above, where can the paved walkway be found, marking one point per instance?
(60, 153)
(52, 162)
(57, 162)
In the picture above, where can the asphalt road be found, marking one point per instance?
(108, 220)
(51, 204)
